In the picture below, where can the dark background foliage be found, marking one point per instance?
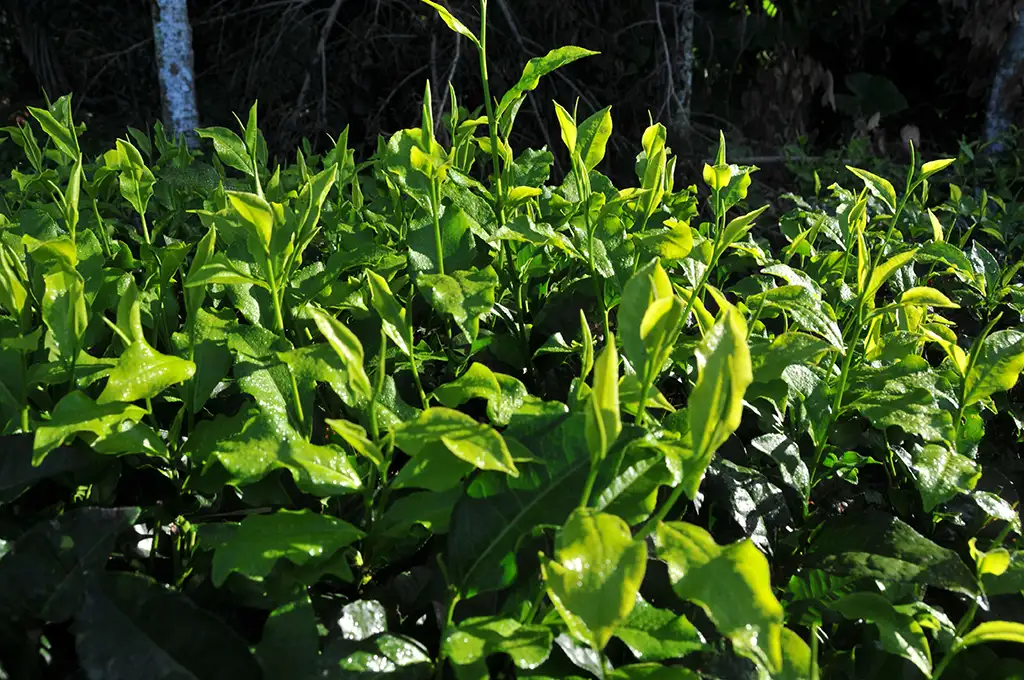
(767, 74)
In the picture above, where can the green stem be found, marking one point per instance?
(535, 606)
(275, 296)
(588, 488)
(661, 514)
(435, 210)
(374, 428)
(645, 387)
(453, 600)
(972, 358)
(145, 228)
(814, 673)
(941, 668)
(412, 354)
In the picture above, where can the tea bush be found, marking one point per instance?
(435, 413)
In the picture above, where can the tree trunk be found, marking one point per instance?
(999, 115)
(172, 35)
(684, 56)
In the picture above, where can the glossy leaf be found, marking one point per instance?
(229, 147)
(998, 366)
(900, 633)
(445, 445)
(464, 296)
(879, 187)
(453, 23)
(941, 474)
(654, 634)
(592, 137)
(877, 545)
(503, 393)
(469, 644)
(716, 403)
(142, 373)
(596, 574)
(994, 631)
(78, 415)
(263, 539)
(814, 316)
(731, 584)
(249, 445)
(392, 315)
(604, 422)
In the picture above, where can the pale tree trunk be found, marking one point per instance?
(172, 35)
(684, 61)
(999, 114)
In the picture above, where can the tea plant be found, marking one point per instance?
(440, 414)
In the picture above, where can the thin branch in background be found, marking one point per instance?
(387, 100)
(320, 58)
(443, 94)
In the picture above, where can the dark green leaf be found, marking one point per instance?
(290, 645)
(132, 628)
(899, 632)
(876, 545)
(47, 570)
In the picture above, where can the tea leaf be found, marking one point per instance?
(348, 348)
(441, 429)
(815, 316)
(942, 473)
(263, 539)
(879, 187)
(143, 373)
(392, 315)
(899, 632)
(464, 296)
(994, 631)
(876, 545)
(592, 137)
(128, 622)
(473, 640)
(230, 148)
(249, 445)
(77, 414)
(716, 403)
(504, 394)
(604, 421)
(654, 634)
(256, 214)
(595, 577)
(998, 366)
(453, 23)
(731, 584)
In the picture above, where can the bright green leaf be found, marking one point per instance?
(596, 575)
